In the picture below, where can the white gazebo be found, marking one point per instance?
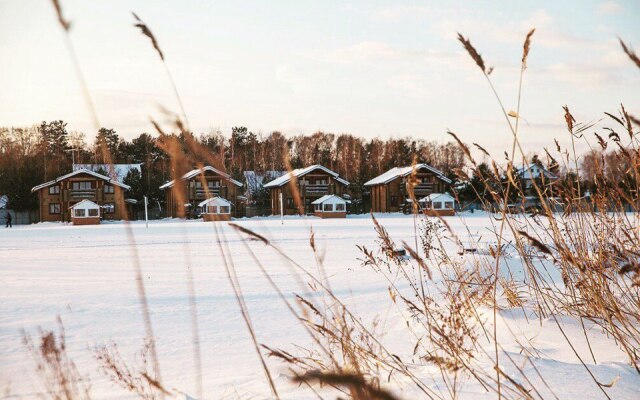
(85, 212)
(438, 204)
(330, 206)
(215, 209)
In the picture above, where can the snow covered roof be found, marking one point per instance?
(215, 201)
(534, 171)
(86, 204)
(198, 171)
(397, 172)
(4, 200)
(78, 172)
(330, 199)
(119, 170)
(438, 197)
(301, 172)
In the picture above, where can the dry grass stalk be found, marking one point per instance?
(57, 372)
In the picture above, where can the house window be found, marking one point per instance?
(328, 207)
(340, 207)
(213, 184)
(437, 205)
(289, 202)
(322, 182)
(212, 209)
(82, 185)
(448, 204)
(109, 208)
(109, 189)
(54, 208)
(55, 189)
(80, 212)
(394, 201)
(225, 209)
(318, 207)
(426, 179)
(93, 212)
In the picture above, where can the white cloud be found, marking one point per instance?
(361, 52)
(399, 12)
(512, 31)
(608, 8)
(411, 84)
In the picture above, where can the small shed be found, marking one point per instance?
(85, 212)
(215, 209)
(330, 206)
(442, 204)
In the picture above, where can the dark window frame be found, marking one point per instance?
(54, 212)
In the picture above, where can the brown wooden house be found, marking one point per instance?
(56, 197)
(390, 191)
(198, 185)
(311, 183)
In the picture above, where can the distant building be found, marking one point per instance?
(198, 185)
(120, 171)
(390, 190)
(535, 172)
(255, 182)
(56, 197)
(309, 184)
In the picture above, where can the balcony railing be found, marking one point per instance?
(82, 193)
(316, 189)
(423, 188)
(204, 193)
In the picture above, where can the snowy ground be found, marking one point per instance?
(85, 275)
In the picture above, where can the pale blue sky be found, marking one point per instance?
(382, 68)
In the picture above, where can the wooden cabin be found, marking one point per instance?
(85, 212)
(56, 197)
(200, 184)
(310, 183)
(391, 190)
(442, 204)
(215, 209)
(330, 206)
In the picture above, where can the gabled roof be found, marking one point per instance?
(438, 197)
(330, 198)
(297, 173)
(87, 204)
(78, 172)
(534, 171)
(397, 172)
(198, 171)
(215, 201)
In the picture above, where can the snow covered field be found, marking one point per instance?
(85, 274)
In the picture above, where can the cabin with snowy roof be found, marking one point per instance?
(308, 184)
(391, 190)
(215, 209)
(85, 212)
(184, 195)
(438, 204)
(538, 173)
(57, 197)
(330, 206)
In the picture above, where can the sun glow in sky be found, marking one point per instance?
(369, 68)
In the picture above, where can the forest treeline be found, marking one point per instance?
(33, 155)
(36, 154)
